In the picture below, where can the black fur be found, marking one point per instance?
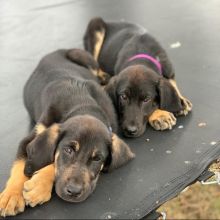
(79, 122)
(139, 80)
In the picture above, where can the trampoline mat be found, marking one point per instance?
(166, 162)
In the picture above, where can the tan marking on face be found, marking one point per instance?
(11, 199)
(94, 152)
(40, 128)
(99, 35)
(55, 161)
(86, 178)
(102, 166)
(76, 145)
(69, 171)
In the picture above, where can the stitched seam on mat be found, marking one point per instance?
(179, 185)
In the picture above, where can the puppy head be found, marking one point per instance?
(40, 151)
(136, 92)
(87, 148)
(83, 147)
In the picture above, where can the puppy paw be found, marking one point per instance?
(162, 120)
(37, 191)
(187, 107)
(11, 202)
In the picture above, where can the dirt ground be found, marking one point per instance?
(198, 202)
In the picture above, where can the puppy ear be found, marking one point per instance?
(40, 152)
(169, 99)
(120, 154)
(111, 89)
(82, 58)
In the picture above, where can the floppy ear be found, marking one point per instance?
(169, 99)
(120, 154)
(111, 89)
(40, 152)
(82, 58)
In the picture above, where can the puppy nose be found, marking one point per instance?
(131, 129)
(73, 190)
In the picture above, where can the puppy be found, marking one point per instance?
(143, 87)
(75, 124)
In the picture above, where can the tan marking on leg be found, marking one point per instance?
(38, 189)
(187, 105)
(99, 35)
(162, 120)
(173, 83)
(40, 128)
(11, 199)
(101, 75)
(94, 72)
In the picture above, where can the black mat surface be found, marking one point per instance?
(170, 160)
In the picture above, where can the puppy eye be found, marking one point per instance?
(96, 158)
(146, 99)
(68, 150)
(123, 97)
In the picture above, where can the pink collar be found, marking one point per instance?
(147, 57)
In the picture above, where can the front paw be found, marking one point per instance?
(11, 202)
(162, 120)
(37, 190)
(187, 107)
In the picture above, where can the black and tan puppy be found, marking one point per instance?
(75, 128)
(143, 87)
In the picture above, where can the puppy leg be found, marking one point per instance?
(168, 72)
(94, 36)
(11, 199)
(162, 120)
(93, 41)
(187, 105)
(99, 36)
(103, 77)
(38, 189)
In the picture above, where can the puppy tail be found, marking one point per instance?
(82, 58)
